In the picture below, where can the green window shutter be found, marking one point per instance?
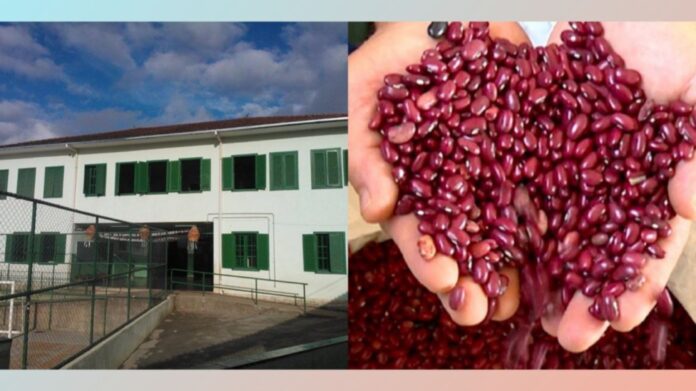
(333, 162)
(227, 173)
(53, 182)
(345, 167)
(309, 249)
(262, 253)
(319, 169)
(25, 182)
(59, 249)
(141, 178)
(277, 175)
(337, 251)
(205, 174)
(228, 251)
(283, 170)
(4, 178)
(118, 179)
(9, 246)
(85, 182)
(260, 172)
(101, 179)
(174, 176)
(291, 177)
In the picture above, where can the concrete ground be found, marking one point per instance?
(204, 329)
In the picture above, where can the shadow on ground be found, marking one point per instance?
(204, 331)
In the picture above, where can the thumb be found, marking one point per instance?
(682, 187)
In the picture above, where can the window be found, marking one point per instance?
(324, 252)
(53, 182)
(125, 178)
(191, 175)
(95, 180)
(284, 171)
(326, 168)
(25, 182)
(245, 251)
(49, 247)
(195, 175)
(157, 176)
(17, 247)
(244, 172)
(4, 178)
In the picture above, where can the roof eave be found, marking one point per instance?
(224, 133)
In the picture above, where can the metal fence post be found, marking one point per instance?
(27, 301)
(256, 291)
(304, 297)
(130, 273)
(50, 303)
(94, 280)
(149, 272)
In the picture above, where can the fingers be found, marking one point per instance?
(466, 304)
(510, 300)
(438, 275)
(682, 189)
(380, 55)
(577, 329)
(636, 305)
(551, 319)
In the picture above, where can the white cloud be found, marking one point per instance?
(21, 54)
(101, 40)
(21, 121)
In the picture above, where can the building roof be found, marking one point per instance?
(176, 129)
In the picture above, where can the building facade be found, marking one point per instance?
(268, 196)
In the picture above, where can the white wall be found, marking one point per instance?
(284, 215)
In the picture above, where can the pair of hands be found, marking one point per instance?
(664, 53)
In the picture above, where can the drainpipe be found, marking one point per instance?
(74, 152)
(218, 230)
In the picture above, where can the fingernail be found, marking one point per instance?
(456, 297)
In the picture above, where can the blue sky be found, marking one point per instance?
(70, 78)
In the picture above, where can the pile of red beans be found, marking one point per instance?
(396, 323)
(551, 160)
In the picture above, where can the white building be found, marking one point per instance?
(268, 195)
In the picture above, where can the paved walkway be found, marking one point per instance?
(206, 328)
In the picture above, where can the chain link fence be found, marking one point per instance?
(68, 278)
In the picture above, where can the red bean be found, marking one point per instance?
(500, 150)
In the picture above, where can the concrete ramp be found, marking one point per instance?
(204, 330)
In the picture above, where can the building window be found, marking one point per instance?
(245, 251)
(125, 178)
(284, 171)
(326, 168)
(191, 175)
(17, 247)
(157, 176)
(25, 182)
(324, 252)
(244, 172)
(53, 182)
(4, 178)
(95, 180)
(49, 247)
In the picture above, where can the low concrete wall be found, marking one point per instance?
(112, 352)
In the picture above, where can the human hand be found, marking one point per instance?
(390, 50)
(665, 55)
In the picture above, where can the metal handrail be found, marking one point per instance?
(81, 282)
(255, 290)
